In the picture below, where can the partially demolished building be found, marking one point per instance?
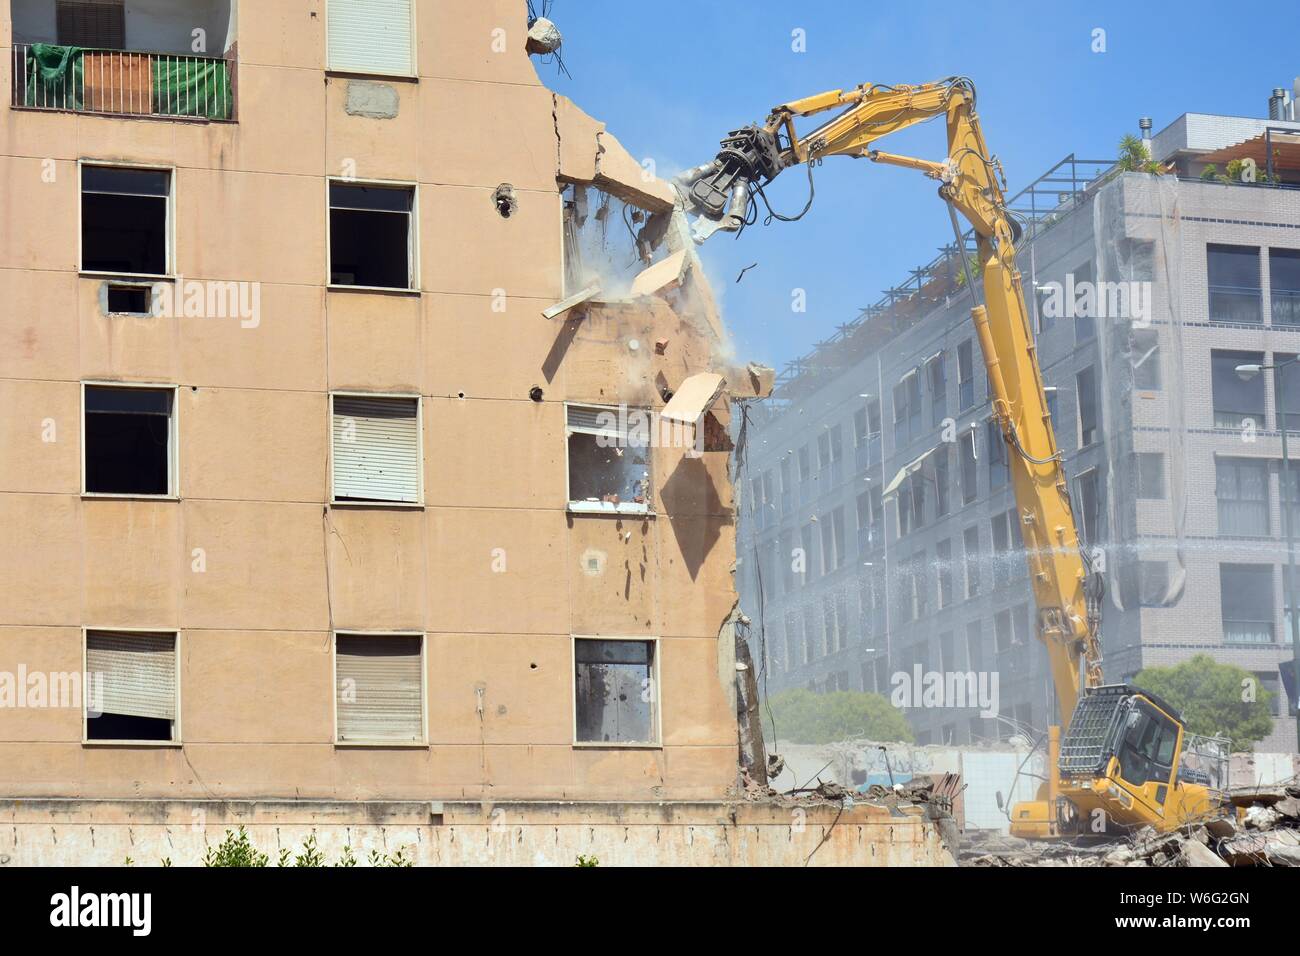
(878, 537)
(365, 452)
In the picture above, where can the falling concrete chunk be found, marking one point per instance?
(543, 37)
(693, 398)
(564, 305)
(663, 276)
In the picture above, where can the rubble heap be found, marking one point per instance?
(1263, 830)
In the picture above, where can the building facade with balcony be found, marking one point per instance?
(879, 531)
(295, 477)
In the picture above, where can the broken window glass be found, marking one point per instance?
(616, 692)
(124, 213)
(609, 459)
(372, 239)
(128, 440)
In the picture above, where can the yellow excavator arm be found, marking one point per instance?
(1121, 762)
(971, 182)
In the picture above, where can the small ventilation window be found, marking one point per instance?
(130, 299)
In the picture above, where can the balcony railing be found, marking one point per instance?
(50, 77)
(1286, 306)
(1236, 305)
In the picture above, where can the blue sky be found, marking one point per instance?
(670, 78)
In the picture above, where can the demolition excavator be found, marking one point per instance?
(1122, 758)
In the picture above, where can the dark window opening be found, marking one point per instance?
(128, 440)
(130, 299)
(371, 236)
(124, 220)
(125, 727)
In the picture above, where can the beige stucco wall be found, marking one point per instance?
(255, 625)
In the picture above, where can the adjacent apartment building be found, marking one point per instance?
(879, 534)
(302, 495)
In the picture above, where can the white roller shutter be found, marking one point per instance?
(379, 688)
(376, 449)
(135, 672)
(596, 421)
(370, 36)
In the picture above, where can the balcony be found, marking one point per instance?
(74, 56)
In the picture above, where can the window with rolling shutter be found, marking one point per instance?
(376, 449)
(96, 24)
(131, 680)
(379, 688)
(370, 36)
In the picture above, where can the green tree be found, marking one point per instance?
(803, 717)
(1218, 700)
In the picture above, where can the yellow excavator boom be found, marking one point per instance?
(1124, 760)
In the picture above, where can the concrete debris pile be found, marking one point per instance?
(1264, 830)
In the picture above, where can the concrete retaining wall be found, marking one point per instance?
(107, 833)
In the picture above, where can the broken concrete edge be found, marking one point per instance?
(590, 155)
